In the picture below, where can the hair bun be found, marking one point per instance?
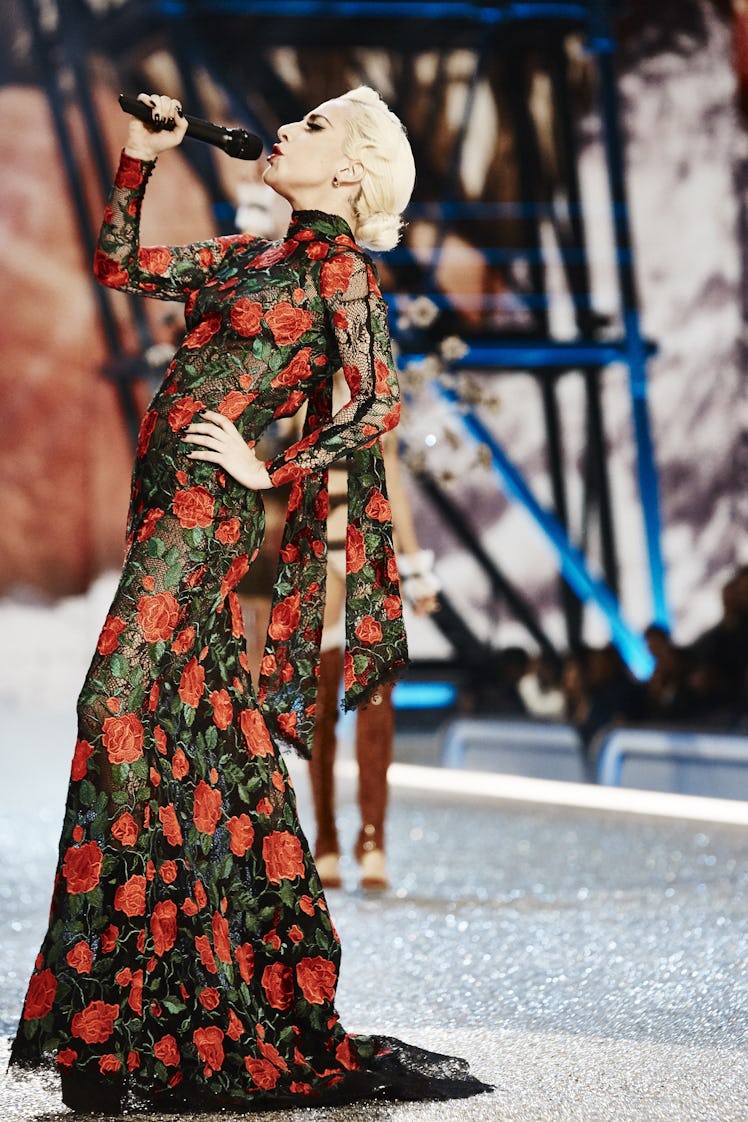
(376, 139)
(379, 231)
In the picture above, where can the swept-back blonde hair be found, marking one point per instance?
(376, 138)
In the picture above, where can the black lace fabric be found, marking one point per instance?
(190, 959)
(359, 322)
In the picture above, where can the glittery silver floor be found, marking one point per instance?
(592, 965)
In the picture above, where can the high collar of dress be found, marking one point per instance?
(324, 225)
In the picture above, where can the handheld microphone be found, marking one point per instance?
(234, 142)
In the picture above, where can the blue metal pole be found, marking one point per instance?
(572, 563)
(602, 43)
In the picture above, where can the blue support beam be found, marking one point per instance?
(503, 28)
(482, 15)
(602, 43)
(537, 354)
(572, 564)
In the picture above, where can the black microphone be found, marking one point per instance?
(235, 142)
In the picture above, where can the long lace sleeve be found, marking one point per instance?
(164, 272)
(358, 318)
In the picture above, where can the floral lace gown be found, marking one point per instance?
(190, 951)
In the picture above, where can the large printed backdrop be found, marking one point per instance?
(65, 454)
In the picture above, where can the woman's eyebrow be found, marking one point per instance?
(318, 117)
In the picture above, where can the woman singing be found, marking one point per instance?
(190, 959)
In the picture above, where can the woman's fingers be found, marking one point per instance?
(221, 434)
(220, 442)
(198, 427)
(166, 128)
(217, 426)
(166, 110)
(219, 419)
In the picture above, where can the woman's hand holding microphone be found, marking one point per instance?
(167, 129)
(218, 440)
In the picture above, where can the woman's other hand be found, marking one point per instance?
(221, 443)
(147, 141)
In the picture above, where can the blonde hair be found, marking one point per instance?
(376, 138)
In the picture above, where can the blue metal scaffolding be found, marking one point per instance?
(231, 40)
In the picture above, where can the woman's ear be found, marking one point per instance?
(350, 175)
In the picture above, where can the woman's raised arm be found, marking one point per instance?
(164, 272)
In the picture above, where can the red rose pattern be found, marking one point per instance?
(209, 1044)
(204, 332)
(170, 825)
(245, 958)
(130, 896)
(335, 274)
(183, 641)
(110, 633)
(283, 856)
(123, 738)
(147, 427)
(287, 323)
(263, 1074)
(221, 943)
(317, 978)
(180, 765)
(155, 258)
(286, 617)
(246, 317)
(125, 829)
(80, 957)
(79, 766)
(256, 733)
(207, 811)
(277, 981)
(40, 996)
(368, 630)
(192, 684)
(164, 926)
(168, 705)
(158, 616)
(95, 1023)
(82, 867)
(167, 1051)
(378, 508)
(182, 412)
(355, 549)
(194, 508)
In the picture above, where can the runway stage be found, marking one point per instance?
(589, 957)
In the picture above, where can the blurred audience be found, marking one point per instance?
(718, 661)
(540, 687)
(666, 694)
(701, 685)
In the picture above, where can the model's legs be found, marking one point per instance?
(322, 767)
(375, 727)
(322, 763)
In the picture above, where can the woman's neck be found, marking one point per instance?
(331, 201)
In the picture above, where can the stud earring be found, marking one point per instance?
(335, 182)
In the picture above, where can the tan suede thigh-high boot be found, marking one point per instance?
(375, 728)
(321, 767)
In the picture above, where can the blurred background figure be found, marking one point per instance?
(718, 658)
(375, 722)
(540, 687)
(666, 691)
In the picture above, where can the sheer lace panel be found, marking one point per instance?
(164, 272)
(359, 321)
